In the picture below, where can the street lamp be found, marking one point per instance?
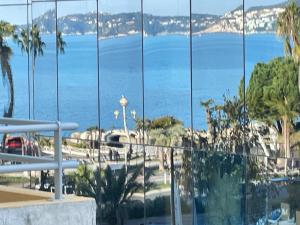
(133, 114)
(124, 103)
(116, 114)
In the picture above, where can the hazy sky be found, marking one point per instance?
(17, 14)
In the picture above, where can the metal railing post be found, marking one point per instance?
(39, 163)
(58, 173)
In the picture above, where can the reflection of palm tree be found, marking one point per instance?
(110, 189)
(60, 44)
(206, 105)
(288, 27)
(37, 49)
(7, 30)
(35, 45)
(288, 24)
(167, 137)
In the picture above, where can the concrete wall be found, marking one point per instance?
(70, 211)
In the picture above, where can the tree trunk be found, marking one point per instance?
(172, 187)
(9, 112)
(161, 159)
(299, 78)
(208, 121)
(286, 136)
(33, 71)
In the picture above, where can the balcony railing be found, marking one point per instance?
(38, 163)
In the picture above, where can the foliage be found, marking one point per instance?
(273, 96)
(207, 105)
(112, 190)
(7, 180)
(7, 30)
(224, 200)
(31, 42)
(294, 196)
(164, 122)
(60, 43)
(288, 27)
(230, 127)
(94, 128)
(163, 131)
(44, 141)
(272, 91)
(218, 182)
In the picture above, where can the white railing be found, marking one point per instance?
(38, 163)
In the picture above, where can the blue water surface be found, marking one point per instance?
(168, 82)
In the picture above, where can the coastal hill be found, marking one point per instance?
(257, 20)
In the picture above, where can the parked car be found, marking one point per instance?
(15, 145)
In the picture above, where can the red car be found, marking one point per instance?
(15, 145)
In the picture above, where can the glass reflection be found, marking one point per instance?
(77, 63)
(120, 69)
(121, 107)
(283, 191)
(218, 87)
(244, 168)
(167, 72)
(257, 183)
(43, 61)
(14, 61)
(219, 188)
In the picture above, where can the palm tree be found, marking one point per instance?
(167, 137)
(288, 27)
(60, 43)
(37, 49)
(7, 30)
(33, 44)
(206, 105)
(110, 189)
(288, 24)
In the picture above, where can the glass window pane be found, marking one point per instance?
(219, 187)
(77, 63)
(167, 109)
(43, 59)
(257, 181)
(15, 74)
(167, 71)
(121, 102)
(218, 85)
(120, 69)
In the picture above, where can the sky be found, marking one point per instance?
(17, 14)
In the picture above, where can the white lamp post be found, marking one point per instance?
(124, 103)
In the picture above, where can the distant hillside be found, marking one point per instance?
(258, 19)
(123, 23)
(280, 5)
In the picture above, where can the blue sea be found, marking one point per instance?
(217, 69)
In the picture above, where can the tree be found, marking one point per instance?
(288, 27)
(166, 132)
(230, 127)
(206, 105)
(273, 96)
(7, 30)
(60, 43)
(33, 44)
(110, 189)
(218, 181)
